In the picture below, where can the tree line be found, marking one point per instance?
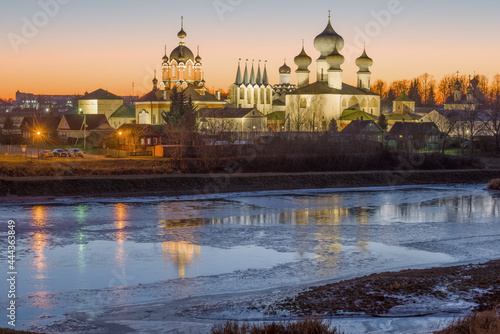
(426, 91)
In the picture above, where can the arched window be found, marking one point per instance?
(155, 119)
(174, 71)
(189, 72)
(144, 117)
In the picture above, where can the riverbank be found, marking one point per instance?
(398, 301)
(24, 188)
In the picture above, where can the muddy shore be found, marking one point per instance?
(13, 189)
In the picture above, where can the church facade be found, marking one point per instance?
(252, 90)
(182, 71)
(312, 106)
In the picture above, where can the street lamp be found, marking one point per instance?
(38, 139)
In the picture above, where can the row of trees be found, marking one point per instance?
(426, 91)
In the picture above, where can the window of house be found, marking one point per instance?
(155, 141)
(303, 102)
(142, 141)
(149, 141)
(155, 121)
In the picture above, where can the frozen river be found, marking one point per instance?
(91, 254)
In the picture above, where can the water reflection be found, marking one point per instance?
(181, 254)
(121, 219)
(39, 260)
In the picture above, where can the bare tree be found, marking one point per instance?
(298, 112)
(494, 110)
(400, 86)
(380, 87)
(447, 126)
(471, 125)
(426, 82)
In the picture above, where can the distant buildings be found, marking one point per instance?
(182, 70)
(99, 102)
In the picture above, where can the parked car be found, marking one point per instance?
(59, 152)
(45, 154)
(74, 152)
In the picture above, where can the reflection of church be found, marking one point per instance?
(181, 70)
(315, 104)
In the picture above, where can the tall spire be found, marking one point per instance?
(259, 76)
(252, 75)
(165, 57)
(198, 58)
(182, 34)
(238, 75)
(265, 80)
(245, 76)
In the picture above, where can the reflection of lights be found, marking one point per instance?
(181, 254)
(39, 215)
(121, 215)
(39, 260)
(81, 213)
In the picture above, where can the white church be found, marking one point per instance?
(313, 105)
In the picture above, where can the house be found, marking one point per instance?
(125, 114)
(407, 117)
(276, 121)
(350, 115)
(6, 106)
(72, 126)
(99, 102)
(46, 125)
(213, 121)
(15, 118)
(363, 130)
(131, 136)
(416, 135)
(461, 123)
(403, 105)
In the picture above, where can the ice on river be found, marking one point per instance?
(96, 253)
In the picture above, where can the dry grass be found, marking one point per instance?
(378, 293)
(22, 167)
(308, 326)
(494, 184)
(487, 322)
(11, 331)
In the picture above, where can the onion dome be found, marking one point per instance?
(182, 54)
(182, 34)
(285, 69)
(198, 58)
(155, 82)
(303, 60)
(335, 59)
(328, 40)
(458, 84)
(364, 62)
(470, 89)
(165, 59)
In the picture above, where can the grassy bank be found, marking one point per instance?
(200, 184)
(250, 162)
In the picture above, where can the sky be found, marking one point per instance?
(73, 46)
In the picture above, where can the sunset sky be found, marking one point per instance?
(83, 45)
